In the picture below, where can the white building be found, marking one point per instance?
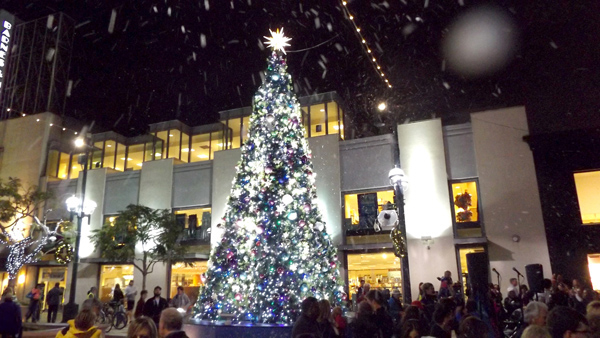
(190, 170)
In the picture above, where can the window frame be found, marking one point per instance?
(363, 232)
(577, 195)
(479, 206)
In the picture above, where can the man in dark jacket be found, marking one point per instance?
(306, 325)
(10, 317)
(154, 306)
(53, 300)
(171, 324)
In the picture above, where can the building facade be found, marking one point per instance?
(472, 188)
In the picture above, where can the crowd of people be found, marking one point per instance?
(148, 318)
(557, 310)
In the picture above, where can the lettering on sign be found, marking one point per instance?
(4, 43)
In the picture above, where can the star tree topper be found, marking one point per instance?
(277, 40)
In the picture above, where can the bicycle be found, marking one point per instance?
(114, 314)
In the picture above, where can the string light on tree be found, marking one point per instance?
(275, 250)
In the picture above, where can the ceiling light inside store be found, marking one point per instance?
(203, 156)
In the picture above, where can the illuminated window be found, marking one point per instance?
(110, 150)
(110, 220)
(63, 165)
(333, 126)
(361, 210)
(186, 151)
(159, 149)
(51, 276)
(317, 120)
(111, 275)
(188, 276)
(174, 143)
(465, 206)
(201, 146)
(341, 118)
(588, 190)
(135, 157)
(594, 266)
(462, 253)
(97, 156)
(216, 143)
(379, 269)
(52, 163)
(235, 130)
(245, 126)
(75, 166)
(196, 222)
(120, 157)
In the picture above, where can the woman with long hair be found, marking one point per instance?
(142, 327)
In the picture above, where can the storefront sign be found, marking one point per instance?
(6, 20)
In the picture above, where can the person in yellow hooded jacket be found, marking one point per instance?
(81, 327)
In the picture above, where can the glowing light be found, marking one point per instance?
(108, 145)
(384, 256)
(277, 40)
(382, 106)
(79, 142)
(21, 279)
(203, 156)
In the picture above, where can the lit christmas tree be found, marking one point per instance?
(274, 251)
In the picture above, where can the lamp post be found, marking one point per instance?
(400, 182)
(80, 208)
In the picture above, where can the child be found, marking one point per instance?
(340, 321)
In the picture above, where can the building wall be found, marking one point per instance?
(222, 180)
(156, 191)
(365, 163)
(509, 191)
(460, 152)
(427, 199)
(192, 184)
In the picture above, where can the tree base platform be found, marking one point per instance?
(207, 329)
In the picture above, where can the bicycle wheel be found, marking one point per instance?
(109, 321)
(120, 320)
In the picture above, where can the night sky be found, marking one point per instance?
(187, 60)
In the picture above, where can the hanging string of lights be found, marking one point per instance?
(365, 45)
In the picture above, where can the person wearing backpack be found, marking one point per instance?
(34, 302)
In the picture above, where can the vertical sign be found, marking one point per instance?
(367, 210)
(7, 21)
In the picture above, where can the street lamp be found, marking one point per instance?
(400, 182)
(80, 208)
(382, 106)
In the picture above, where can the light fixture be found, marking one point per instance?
(157, 154)
(397, 176)
(37, 120)
(139, 164)
(382, 106)
(21, 279)
(74, 205)
(170, 135)
(185, 150)
(24, 114)
(203, 156)
(74, 167)
(336, 128)
(384, 256)
(79, 142)
(108, 145)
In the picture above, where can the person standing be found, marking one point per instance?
(154, 306)
(10, 317)
(181, 300)
(395, 306)
(34, 302)
(307, 325)
(139, 308)
(171, 324)
(118, 294)
(53, 299)
(130, 293)
(381, 317)
(92, 293)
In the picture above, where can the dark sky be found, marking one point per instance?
(155, 66)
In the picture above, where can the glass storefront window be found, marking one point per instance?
(196, 222)
(49, 277)
(235, 132)
(466, 209)
(587, 185)
(594, 267)
(462, 253)
(216, 142)
(174, 144)
(333, 126)
(341, 118)
(75, 166)
(201, 146)
(187, 276)
(110, 275)
(186, 151)
(110, 148)
(135, 157)
(52, 163)
(305, 121)
(158, 149)
(379, 269)
(361, 210)
(120, 157)
(63, 165)
(317, 120)
(245, 126)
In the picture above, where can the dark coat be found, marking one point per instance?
(384, 322)
(306, 326)
(438, 332)
(53, 297)
(177, 334)
(363, 327)
(152, 310)
(139, 308)
(10, 317)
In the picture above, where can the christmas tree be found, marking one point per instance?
(275, 250)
